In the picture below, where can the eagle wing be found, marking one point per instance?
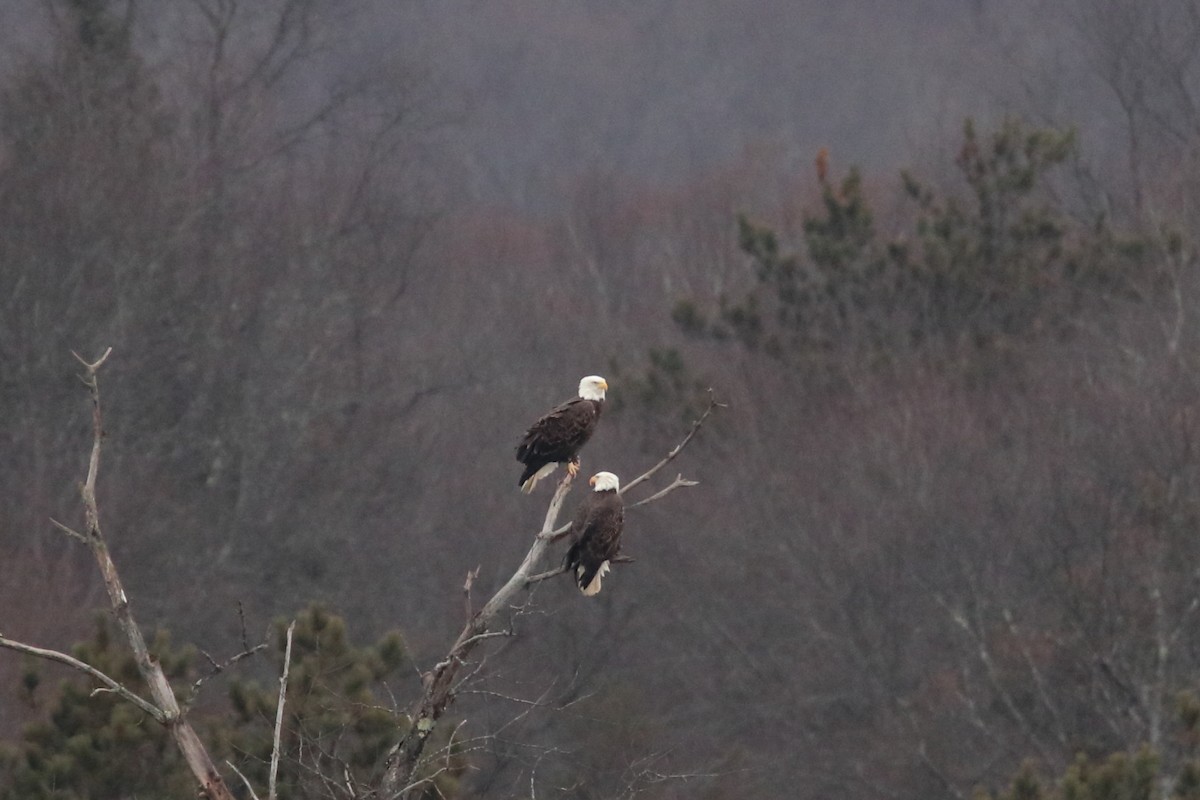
(559, 434)
(596, 534)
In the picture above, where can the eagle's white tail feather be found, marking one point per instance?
(593, 588)
(528, 486)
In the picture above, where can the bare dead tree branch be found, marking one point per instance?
(479, 637)
(559, 570)
(405, 756)
(245, 780)
(713, 405)
(218, 668)
(992, 672)
(242, 625)
(1039, 680)
(287, 662)
(679, 481)
(113, 686)
(467, 584)
(542, 576)
(164, 706)
(562, 530)
(74, 534)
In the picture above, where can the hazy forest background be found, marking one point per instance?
(345, 252)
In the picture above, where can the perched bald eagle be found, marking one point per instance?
(596, 533)
(560, 434)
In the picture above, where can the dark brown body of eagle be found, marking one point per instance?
(595, 539)
(557, 438)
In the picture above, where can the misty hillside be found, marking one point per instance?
(936, 260)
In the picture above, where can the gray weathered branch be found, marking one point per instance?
(287, 662)
(163, 706)
(245, 780)
(679, 482)
(403, 758)
(713, 405)
(217, 669)
(399, 779)
(53, 655)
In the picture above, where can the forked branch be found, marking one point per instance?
(163, 706)
(399, 780)
(713, 405)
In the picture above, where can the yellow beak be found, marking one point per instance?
(592, 481)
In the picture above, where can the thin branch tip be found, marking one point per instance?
(245, 780)
(91, 367)
(74, 534)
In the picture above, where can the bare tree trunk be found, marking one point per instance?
(402, 761)
(161, 694)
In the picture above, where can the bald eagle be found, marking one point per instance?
(561, 433)
(596, 533)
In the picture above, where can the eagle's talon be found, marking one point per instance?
(572, 468)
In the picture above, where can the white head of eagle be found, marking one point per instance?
(593, 387)
(559, 434)
(605, 482)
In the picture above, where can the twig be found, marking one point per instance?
(112, 686)
(679, 481)
(91, 368)
(542, 576)
(242, 624)
(74, 534)
(428, 779)
(556, 534)
(287, 660)
(245, 780)
(554, 573)
(479, 637)
(217, 669)
(648, 474)
(511, 699)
